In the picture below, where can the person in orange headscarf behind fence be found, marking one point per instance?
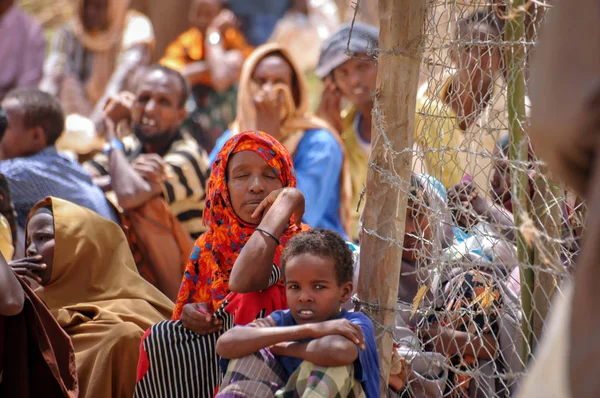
(95, 55)
(210, 55)
(251, 204)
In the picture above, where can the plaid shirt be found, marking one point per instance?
(47, 173)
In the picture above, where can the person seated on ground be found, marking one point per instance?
(496, 210)
(354, 78)
(157, 159)
(36, 355)
(89, 281)
(22, 49)
(210, 55)
(251, 203)
(95, 55)
(313, 339)
(31, 164)
(483, 340)
(271, 84)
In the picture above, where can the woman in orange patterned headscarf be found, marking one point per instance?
(252, 168)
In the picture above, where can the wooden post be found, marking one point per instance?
(519, 152)
(384, 215)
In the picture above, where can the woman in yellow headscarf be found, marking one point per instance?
(94, 55)
(90, 283)
(272, 84)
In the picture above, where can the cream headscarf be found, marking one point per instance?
(297, 119)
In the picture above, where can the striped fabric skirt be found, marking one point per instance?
(178, 362)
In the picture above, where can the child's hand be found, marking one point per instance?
(267, 322)
(196, 317)
(288, 201)
(342, 327)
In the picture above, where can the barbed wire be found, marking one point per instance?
(466, 303)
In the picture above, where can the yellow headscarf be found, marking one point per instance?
(297, 120)
(93, 268)
(98, 297)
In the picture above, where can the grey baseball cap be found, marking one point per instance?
(365, 39)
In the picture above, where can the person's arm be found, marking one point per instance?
(464, 194)
(326, 351)
(12, 297)
(335, 342)
(225, 66)
(253, 266)
(131, 189)
(318, 164)
(129, 185)
(451, 342)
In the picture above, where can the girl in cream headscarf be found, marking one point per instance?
(271, 84)
(90, 283)
(94, 56)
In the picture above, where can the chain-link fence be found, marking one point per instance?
(489, 237)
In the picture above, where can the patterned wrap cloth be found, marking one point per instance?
(261, 375)
(206, 278)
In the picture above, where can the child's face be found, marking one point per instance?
(312, 289)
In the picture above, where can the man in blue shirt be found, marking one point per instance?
(30, 162)
(314, 338)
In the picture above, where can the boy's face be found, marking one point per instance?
(312, 289)
(357, 79)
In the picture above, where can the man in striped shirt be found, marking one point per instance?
(153, 157)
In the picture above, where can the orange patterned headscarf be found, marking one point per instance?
(206, 278)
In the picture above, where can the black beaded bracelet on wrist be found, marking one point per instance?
(269, 234)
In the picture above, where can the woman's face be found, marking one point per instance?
(95, 15)
(249, 180)
(272, 70)
(357, 79)
(417, 231)
(40, 234)
(479, 59)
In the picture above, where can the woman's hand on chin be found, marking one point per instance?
(280, 205)
(195, 316)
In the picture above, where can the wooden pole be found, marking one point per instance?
(400, 37)
(519, 152)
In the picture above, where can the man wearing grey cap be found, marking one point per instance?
(353, 77)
